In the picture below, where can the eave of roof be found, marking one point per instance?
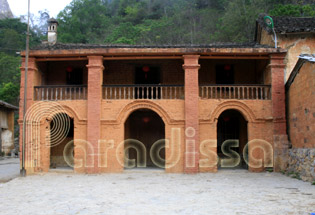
(60, 49)
(7, 105)
(302, 59)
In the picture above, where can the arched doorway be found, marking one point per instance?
(146, 127)
(61, 142)
(231, 126)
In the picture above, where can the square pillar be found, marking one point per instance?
(31, 82)
(32, 79)
(191, 67)
(280, 138)
(94, 102)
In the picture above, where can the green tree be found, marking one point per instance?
(84, 21)
(9, 92)
(169, 22)
(12, 40)
(124, 33)
(238, 22)
(13, 36)
(293, 10)
(9, 68)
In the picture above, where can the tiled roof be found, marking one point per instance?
(68, 46)
(7, 105)
(285, 25)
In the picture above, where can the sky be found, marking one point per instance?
(19, 7)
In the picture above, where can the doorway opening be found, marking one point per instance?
(147, 79)
(61, 142)
(232, 126)
(148, 130)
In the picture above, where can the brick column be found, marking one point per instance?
(280, 138)
(32, 69)
(95, 79)
(191, 67)
(31, 76)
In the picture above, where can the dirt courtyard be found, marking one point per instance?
(155, 192)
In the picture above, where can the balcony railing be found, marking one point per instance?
(143, 92)
(114, 92)
(258, 92)
(60, 92)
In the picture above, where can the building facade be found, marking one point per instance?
(185, 109)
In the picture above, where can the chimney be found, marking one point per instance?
(52, 31)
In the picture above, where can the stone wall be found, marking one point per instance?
(302, 163)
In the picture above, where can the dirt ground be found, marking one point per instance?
(155, 192)
(9, 168)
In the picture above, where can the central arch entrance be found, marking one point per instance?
(231, 126)
(146, 126)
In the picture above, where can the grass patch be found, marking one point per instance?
(269, 169)
(296, 175)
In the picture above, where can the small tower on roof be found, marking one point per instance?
(52, 31)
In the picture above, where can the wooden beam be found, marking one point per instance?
(61, 59)
(143, 58)
(236, 57)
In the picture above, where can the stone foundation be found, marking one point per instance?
(302, 163)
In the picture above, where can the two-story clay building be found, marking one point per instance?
(179, 103)
(297, 36)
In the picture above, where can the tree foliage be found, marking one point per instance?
(293, 10)
(169, 22)
(12, 40)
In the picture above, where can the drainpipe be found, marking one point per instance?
(23, 171)
(269, 22)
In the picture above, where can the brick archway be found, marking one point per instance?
(72, 114)
(247, 113)
(144, 134)
(136, 105)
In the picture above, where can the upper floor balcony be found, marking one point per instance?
(155, 80)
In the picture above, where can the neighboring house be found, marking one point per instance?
(7, 127)
(300, 94)
(295, 34)
(84, 100)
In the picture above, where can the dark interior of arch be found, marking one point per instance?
(65, 134)
(147, 127)
(232, 125)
